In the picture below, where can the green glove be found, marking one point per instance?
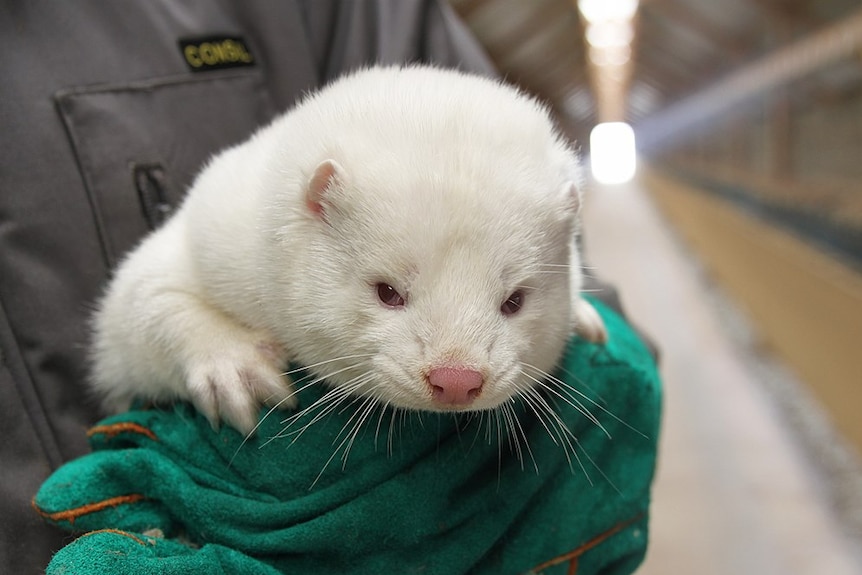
(417, 493)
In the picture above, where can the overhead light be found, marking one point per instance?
(610, 33)
(615, 56)
(613, 157)
(603, 10)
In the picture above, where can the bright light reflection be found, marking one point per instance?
(612, 153)
(615, 56)
(611, 33)
(601, 10)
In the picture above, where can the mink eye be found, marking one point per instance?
(389, 296)
(513, 303)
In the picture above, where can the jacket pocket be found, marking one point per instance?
(139, 145)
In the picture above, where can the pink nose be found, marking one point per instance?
(455, 386)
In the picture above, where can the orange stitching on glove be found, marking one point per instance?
(118, 532)
(71, 514)
(118, 428)
(572, 556)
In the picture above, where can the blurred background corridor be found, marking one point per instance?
(736, 244)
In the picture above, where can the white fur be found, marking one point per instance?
(455, 190)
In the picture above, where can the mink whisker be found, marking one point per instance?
(328, 361)
(520, 429)
(357, 418)
(561, 431)
(348, 437)
(297, 389)
(566, 397)
(383, 409)
(511, 438)
(328, 403)
(572, 390)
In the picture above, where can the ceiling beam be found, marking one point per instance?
(681, 14)
(778, 68)
(539, 22)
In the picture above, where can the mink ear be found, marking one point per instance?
(326, 175)
(571, 197)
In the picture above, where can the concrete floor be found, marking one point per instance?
(734, 493)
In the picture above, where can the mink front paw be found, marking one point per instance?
(232, 383)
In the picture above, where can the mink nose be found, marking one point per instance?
(455, 386)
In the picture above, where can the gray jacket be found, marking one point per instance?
(107, 110)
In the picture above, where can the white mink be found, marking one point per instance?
(406, 232)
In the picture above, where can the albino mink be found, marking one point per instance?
(406, 232)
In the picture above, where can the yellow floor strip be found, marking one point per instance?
(806, 304)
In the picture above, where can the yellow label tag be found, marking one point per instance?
(215, 53)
